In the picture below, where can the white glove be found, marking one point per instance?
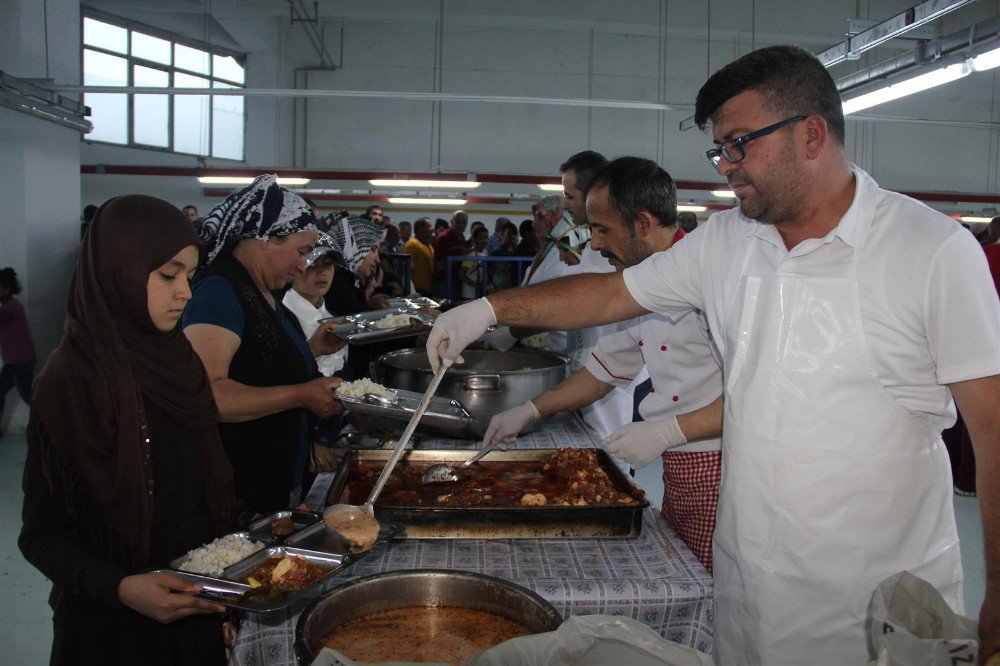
(499, 338)
(505, 426)
(640, 443)
(456, 329)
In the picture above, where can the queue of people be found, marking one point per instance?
(799, 352)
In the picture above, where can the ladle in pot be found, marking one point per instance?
(357, 524)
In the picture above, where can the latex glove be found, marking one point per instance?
(640, 443)
(500, 338)
(456, 329)
(505, 426)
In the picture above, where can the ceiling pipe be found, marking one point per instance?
(519, 179)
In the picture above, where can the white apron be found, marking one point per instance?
(828, 484)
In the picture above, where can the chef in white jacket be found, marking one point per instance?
(833, 303)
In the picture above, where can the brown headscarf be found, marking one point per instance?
(87, 407)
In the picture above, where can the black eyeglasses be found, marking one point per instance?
(733, 149)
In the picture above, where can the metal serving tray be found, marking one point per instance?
(446, 413)
(413, 302)
(534, 522)
(359, 329)
(266, 539)
(301, 520)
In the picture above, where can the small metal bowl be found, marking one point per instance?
(419, 587)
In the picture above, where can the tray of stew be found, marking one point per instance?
(536, 493)
(252, 571)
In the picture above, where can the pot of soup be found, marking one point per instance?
(488, 383)
(423, 615)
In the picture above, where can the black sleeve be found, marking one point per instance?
(50, 543)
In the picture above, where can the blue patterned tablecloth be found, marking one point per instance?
(653, 578)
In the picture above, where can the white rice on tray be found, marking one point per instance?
(357, 389)
(392, 321)
(213, 557)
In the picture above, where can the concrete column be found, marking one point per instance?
(39, 173)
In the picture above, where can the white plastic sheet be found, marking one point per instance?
(584, 640)
(913, 626)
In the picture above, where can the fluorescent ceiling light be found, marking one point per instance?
(975, 218)
(985, 61)
(239, 180)
(691, 208)
(908, 87)
(724, 194)
(424, 183)
(427, 202)
(550, 187)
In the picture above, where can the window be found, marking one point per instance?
(133, 56)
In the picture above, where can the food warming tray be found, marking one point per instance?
(359, 328)
(314, 544)
(446, 413)
(546, 522)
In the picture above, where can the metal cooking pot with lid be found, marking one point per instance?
(419, 587)
(488, 383)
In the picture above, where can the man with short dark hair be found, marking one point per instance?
(833, 303)
(405, 231)
(687, 221)
(191, 212)
(421, 249)
(374, 213)
(577, 174)
(496, 238)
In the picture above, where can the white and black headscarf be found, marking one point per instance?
(261, 210)
(354, 237)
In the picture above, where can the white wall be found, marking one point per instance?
(39, 174)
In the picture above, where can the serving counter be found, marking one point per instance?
(653, 578)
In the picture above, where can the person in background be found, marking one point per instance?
(16, 348)
(503, 275)
(851, 320)
(125, 468)
(312, 206)
(472, 230)
(441, 226)
(472, 273)
(374, 213)
(528, 245)
(393, 243)
(261, 365)
(496, 238)
(357, 240)
(687, 221)
(305, 300)
(570, 243)
(421, 249)
(86, 217)
(405, 232)
(191, 212)
(451, 243)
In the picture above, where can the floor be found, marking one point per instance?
(25, 618)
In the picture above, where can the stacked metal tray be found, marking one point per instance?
(413, 302)
(360, 329)
(309, 540)
(446, 413)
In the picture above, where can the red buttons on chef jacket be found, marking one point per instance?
(663, 348)
(676, 398)
(640, 343)
(652, 390)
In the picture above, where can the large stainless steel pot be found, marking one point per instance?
(419, 587)
(487, 383)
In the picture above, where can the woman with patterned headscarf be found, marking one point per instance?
(125, 470)
(357, 240)
(262, 367)
(570, 240)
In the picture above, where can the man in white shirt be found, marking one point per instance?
(833, 305)
(632, 209)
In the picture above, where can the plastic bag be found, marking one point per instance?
(583, 640)
(913, 626)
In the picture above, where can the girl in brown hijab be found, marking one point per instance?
(125, 469)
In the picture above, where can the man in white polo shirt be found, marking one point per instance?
(632, 211)
(833, 304)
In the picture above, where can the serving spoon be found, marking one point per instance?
(357, 523)
(442, 473)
